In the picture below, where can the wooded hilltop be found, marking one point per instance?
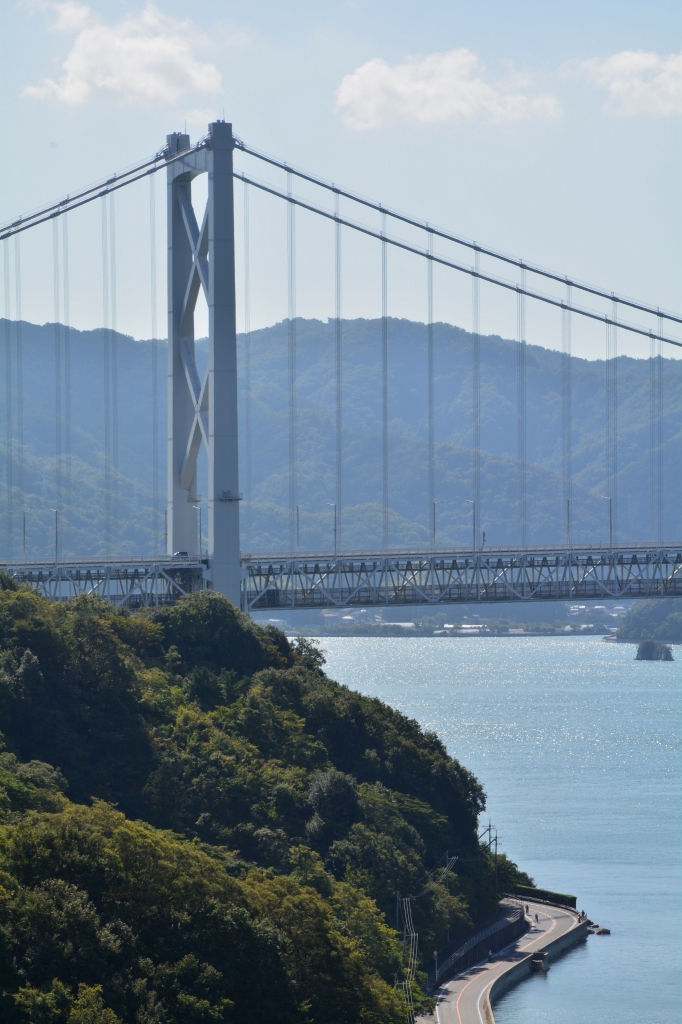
(198, 826)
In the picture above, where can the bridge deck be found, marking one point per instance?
(418, 578)
(319, 580)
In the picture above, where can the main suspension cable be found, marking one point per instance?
(459, 240)
(471, 271)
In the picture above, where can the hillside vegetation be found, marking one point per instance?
(653, 620)
(265, 520)
(199, 826)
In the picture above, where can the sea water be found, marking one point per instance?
(578, 748)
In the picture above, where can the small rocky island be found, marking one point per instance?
(653, 650)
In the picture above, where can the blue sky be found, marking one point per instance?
(547, 130)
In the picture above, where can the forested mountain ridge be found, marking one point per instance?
(265, 525)
(277, 815)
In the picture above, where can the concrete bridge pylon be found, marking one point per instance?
(201, 256)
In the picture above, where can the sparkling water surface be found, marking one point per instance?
(577, 746)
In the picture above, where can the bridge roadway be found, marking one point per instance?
(467, 998)
(366, 579)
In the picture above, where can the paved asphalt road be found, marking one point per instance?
(460, 1001)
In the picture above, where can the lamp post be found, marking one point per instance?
(56, 535)
(433, 523)
(610, 501)
(568, 522)
(25, 511)
(332, 504)
(470, 501)
(198, 507)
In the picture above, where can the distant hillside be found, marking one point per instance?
(360, 525)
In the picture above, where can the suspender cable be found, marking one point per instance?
(476, 388)
(612, 422)
(114, 366)
(8, 404)
(291, 266)
(566, 397)
(384, 378)
(429, 354)
(521, 409)
(655, 438)
(57, 372)
(339, 379)
(247, 369)
(659, 435)
(20, 369)
(67, 384)
(107, 374)
(155, 365)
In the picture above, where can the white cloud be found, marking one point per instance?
(144, 58)
(69, 16)
(432, 90)
(637, 82)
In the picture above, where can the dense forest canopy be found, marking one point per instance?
(265, 524)
(198, 825)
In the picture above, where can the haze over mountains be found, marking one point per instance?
(267, 527)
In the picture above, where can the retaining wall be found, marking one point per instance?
(522, 969)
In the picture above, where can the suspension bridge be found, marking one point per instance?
(203, 412)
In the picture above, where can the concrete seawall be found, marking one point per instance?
(518, 971)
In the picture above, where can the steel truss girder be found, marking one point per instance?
(131, 583)
(318, 581)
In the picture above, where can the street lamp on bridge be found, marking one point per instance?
(56, 535)
(470, 501)
(332, 504)
(610, 501)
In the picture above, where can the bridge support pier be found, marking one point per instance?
(201, 256)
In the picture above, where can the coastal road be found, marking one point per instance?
(463, 1000)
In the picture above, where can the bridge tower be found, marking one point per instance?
(203, 411)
